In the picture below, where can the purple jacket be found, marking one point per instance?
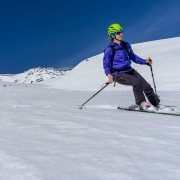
(120, 59)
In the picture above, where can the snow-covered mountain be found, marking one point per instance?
(34, 75)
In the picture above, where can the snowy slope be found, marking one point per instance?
(45, 136)
(89, 75)
(33, 75)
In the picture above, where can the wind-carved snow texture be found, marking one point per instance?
(45, 136)
(34, 75)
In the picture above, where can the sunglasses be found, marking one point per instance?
(118, 32)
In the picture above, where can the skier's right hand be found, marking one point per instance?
(110, 78)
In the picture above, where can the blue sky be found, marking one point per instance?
(61, 34)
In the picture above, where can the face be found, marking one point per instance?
(119, 36)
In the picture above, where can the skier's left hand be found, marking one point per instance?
(149, 62)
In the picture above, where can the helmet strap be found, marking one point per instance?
(117, 39)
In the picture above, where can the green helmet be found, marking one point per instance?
(113, 28)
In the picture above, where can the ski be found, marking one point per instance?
(152, 111)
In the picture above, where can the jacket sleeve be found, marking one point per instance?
(134, 57)
(107, 61)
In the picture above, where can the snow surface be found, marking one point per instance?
(89, 75)
(34, 75)
(45, 136)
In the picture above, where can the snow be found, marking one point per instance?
(89, 75)
(45, 136)
(33, 75)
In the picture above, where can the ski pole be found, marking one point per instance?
(152, 75)
(106, 84)
(153, 79)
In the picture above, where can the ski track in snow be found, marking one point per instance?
(105, 106)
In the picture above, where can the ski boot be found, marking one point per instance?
(160, 106)
(144, 105)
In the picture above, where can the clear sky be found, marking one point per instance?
(60, 34)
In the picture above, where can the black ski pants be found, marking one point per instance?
(139, 84)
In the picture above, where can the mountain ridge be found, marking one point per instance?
(34, 75)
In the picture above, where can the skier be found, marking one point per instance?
(117, 67)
